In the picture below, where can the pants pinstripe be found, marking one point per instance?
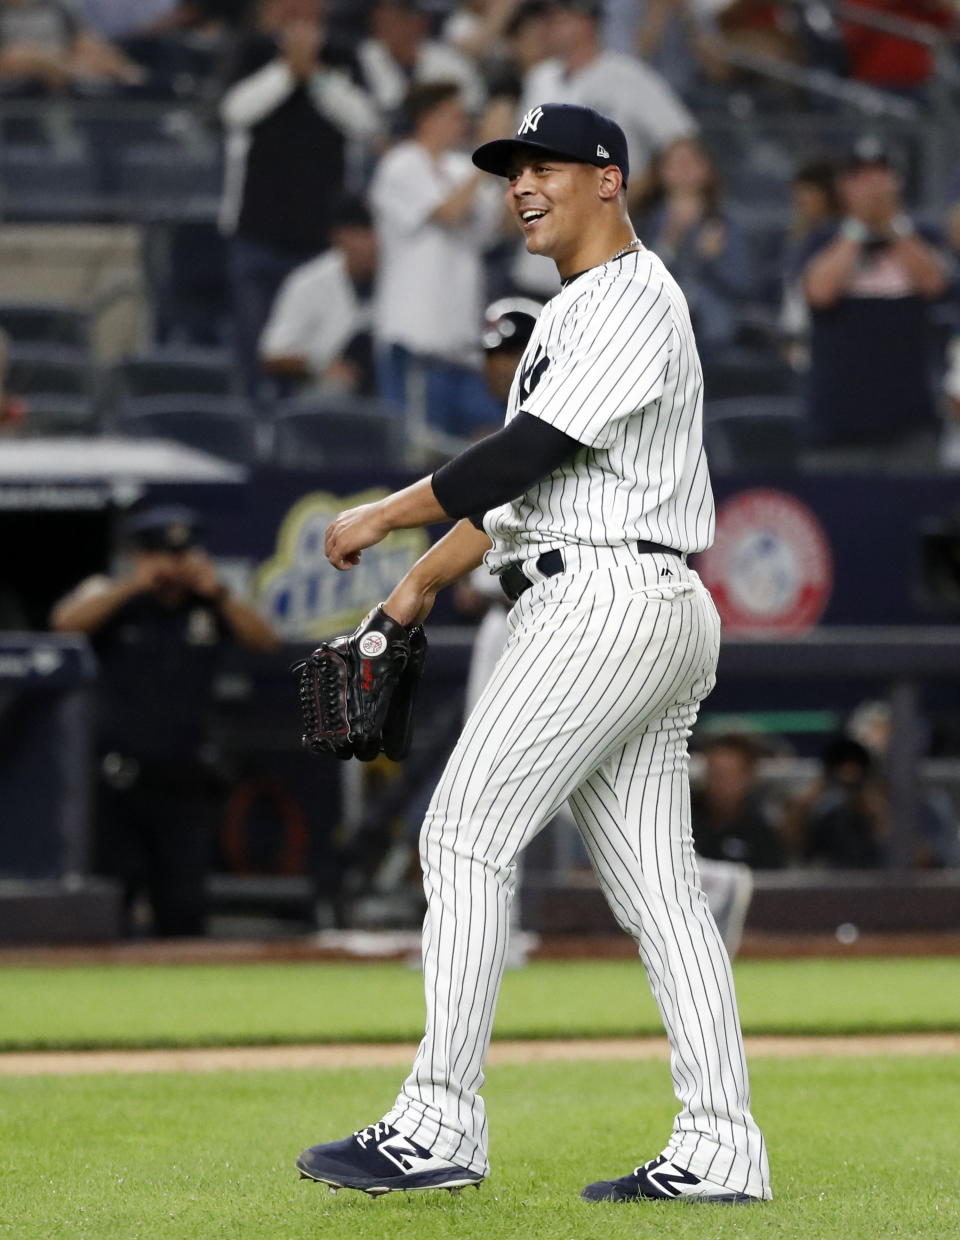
(593, 700)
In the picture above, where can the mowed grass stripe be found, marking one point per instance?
(254, 1004)
(859, 1149)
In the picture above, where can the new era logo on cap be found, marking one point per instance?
(565, 130)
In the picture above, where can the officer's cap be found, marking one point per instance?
(168, 528)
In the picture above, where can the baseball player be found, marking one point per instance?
(585, 504)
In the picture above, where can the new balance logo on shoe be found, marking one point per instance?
(669, 1177)
(377, 1160)
(405, 1155)
(662, 1180)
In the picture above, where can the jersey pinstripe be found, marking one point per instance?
(591, 702)
(612, 362)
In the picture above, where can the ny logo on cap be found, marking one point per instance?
(531, 121)
(602, 152)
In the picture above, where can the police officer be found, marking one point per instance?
(158, 631)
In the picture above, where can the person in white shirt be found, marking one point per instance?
(398, 54)
(318, 333)
(619, 85)
(292, 119)
(433, 222)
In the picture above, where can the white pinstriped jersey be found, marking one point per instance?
(612, 362)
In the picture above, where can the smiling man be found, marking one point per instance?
(585, 504)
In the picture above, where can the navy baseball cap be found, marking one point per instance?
(564, 129)
(167, 528)
(868, 151)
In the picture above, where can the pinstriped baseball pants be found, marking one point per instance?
(592, 700)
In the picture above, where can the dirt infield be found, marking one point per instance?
(362, 945)
(353, 1055)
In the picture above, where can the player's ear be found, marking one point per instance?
(611, 182)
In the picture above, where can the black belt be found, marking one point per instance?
(514, 580)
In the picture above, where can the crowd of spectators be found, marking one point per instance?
(359, 245)
(838, 819)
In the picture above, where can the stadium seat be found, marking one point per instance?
(172, 371)
(335, 430)
(157, 178)
(40, 183)
(52, 414)
(221, 426)
(44, 323)
(49, 370)
(744, 372)
(753, 432)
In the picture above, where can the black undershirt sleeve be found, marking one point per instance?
(504, 465)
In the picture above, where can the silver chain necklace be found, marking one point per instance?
(626, 250)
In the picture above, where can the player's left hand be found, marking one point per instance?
(351, 531)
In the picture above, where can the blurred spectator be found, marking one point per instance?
(950, 444)
(478, 27)
(868, 284)
(434, 213)
(765, 27)
(399, 54)
(815, 205)
(703, 248)
(44, 44)
(889, 60)
(319, 330)
(842, 822)
(730, 820)
(13, 411)
(125, 19)
(525, 39)
(158, 632)
(288, 119)
(578, 70)
(676, 37)
(181, 42)
(938, 841)
(122, 19)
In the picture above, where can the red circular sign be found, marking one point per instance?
(770, 567)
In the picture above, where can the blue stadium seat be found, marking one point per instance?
(39, 183)
(223, 427)
(51, 370)
(158, 178)
(335, 430)
(53, 414)
(46, 323)
(171, 371)
(753, 432)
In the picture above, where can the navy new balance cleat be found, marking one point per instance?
(377, 1160)
(661, 1180)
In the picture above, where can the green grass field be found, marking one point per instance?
(156, 1005)
(860, 1150)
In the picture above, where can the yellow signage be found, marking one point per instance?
(303, 596)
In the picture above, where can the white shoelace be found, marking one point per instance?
(372, 1132)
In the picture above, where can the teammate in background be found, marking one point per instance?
(586, 504)
(158, 632)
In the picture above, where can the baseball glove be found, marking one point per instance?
(357, 691)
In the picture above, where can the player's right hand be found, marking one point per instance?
(351, 531)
